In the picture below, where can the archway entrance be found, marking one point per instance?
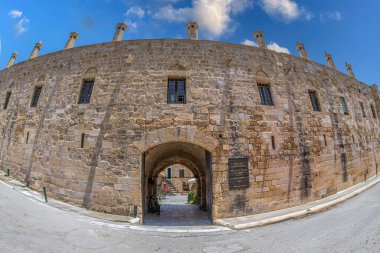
(164, 173)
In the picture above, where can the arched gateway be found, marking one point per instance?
(177, 145)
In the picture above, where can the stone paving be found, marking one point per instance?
(176, 212)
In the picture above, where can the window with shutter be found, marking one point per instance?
(7, 98)
(344, 105)
(314, 101)
(265, 94)
(85, 94)
(177, 91)
(36, 96)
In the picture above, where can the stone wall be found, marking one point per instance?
(223, 114)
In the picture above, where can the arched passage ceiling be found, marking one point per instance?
(187, 154)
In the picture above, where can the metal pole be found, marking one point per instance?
(45, 194)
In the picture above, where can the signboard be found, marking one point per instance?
(238, 173)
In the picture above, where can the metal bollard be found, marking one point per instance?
(46, 199)
(134, 211)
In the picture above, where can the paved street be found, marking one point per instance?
(29, 225)
(176, 212)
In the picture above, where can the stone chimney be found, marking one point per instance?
(301, 50)
(120, 29)
(330, 60)
(259, 36)
(192, 30)
(36, 50)
(349, 69)
(12, 59)
(72, 39)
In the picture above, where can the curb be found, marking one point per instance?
(298, 214)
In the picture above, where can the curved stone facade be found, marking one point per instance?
(98, 154)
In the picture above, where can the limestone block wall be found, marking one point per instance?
(316, 154)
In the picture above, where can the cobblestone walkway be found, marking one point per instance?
(175, 212)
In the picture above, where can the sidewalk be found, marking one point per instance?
(251, 221)
(16, 185)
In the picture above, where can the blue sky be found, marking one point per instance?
(348, 29)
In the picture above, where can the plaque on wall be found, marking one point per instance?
(238, 173)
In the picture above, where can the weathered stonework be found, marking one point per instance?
(128, 123)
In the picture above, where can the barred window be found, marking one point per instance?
(85, 93)
(36, 96)
(373, 111)
(265, 94)
(177, 91)
(344, 105)
(362, 108)
(314, 101)
(181, 173)
(7, 98)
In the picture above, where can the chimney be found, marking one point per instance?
(301, 50)
(120, 29)
(192, 30)
(349, 69)
(259, 36)
(330, 60)
(36, 49)
(72, 39)
(12, 59)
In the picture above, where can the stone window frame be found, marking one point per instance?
(271, 93)
(171, 77)
(318, 104)
(343, 105)
(8, 96)
(34, 103)
(80, 102)
(373, 111)
(181, 173)
(361, 105)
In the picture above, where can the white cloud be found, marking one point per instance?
(249, 43)
(330, 16)
(272, 46)
(20, 26)
(213, 17)
(285, 9)
(15, 13)
(131, 24)
(135, 11)
(275, 47)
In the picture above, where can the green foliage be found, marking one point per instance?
(192, 197)
(160, 193)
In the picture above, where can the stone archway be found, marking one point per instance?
(176, 145)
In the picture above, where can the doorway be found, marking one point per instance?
(178, 176)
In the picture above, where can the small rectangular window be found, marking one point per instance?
(344, 105)
(7, 98)
(82, 140)
(27, 138)
(85, 93)
(177, 91)
(265, 94)
(181, 173)
(324, 138)
(314, 101)
(373, 111)
(273, 143)
(362, 108)
(168, 173)
(36, 96)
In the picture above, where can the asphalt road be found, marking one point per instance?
(28, 225)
